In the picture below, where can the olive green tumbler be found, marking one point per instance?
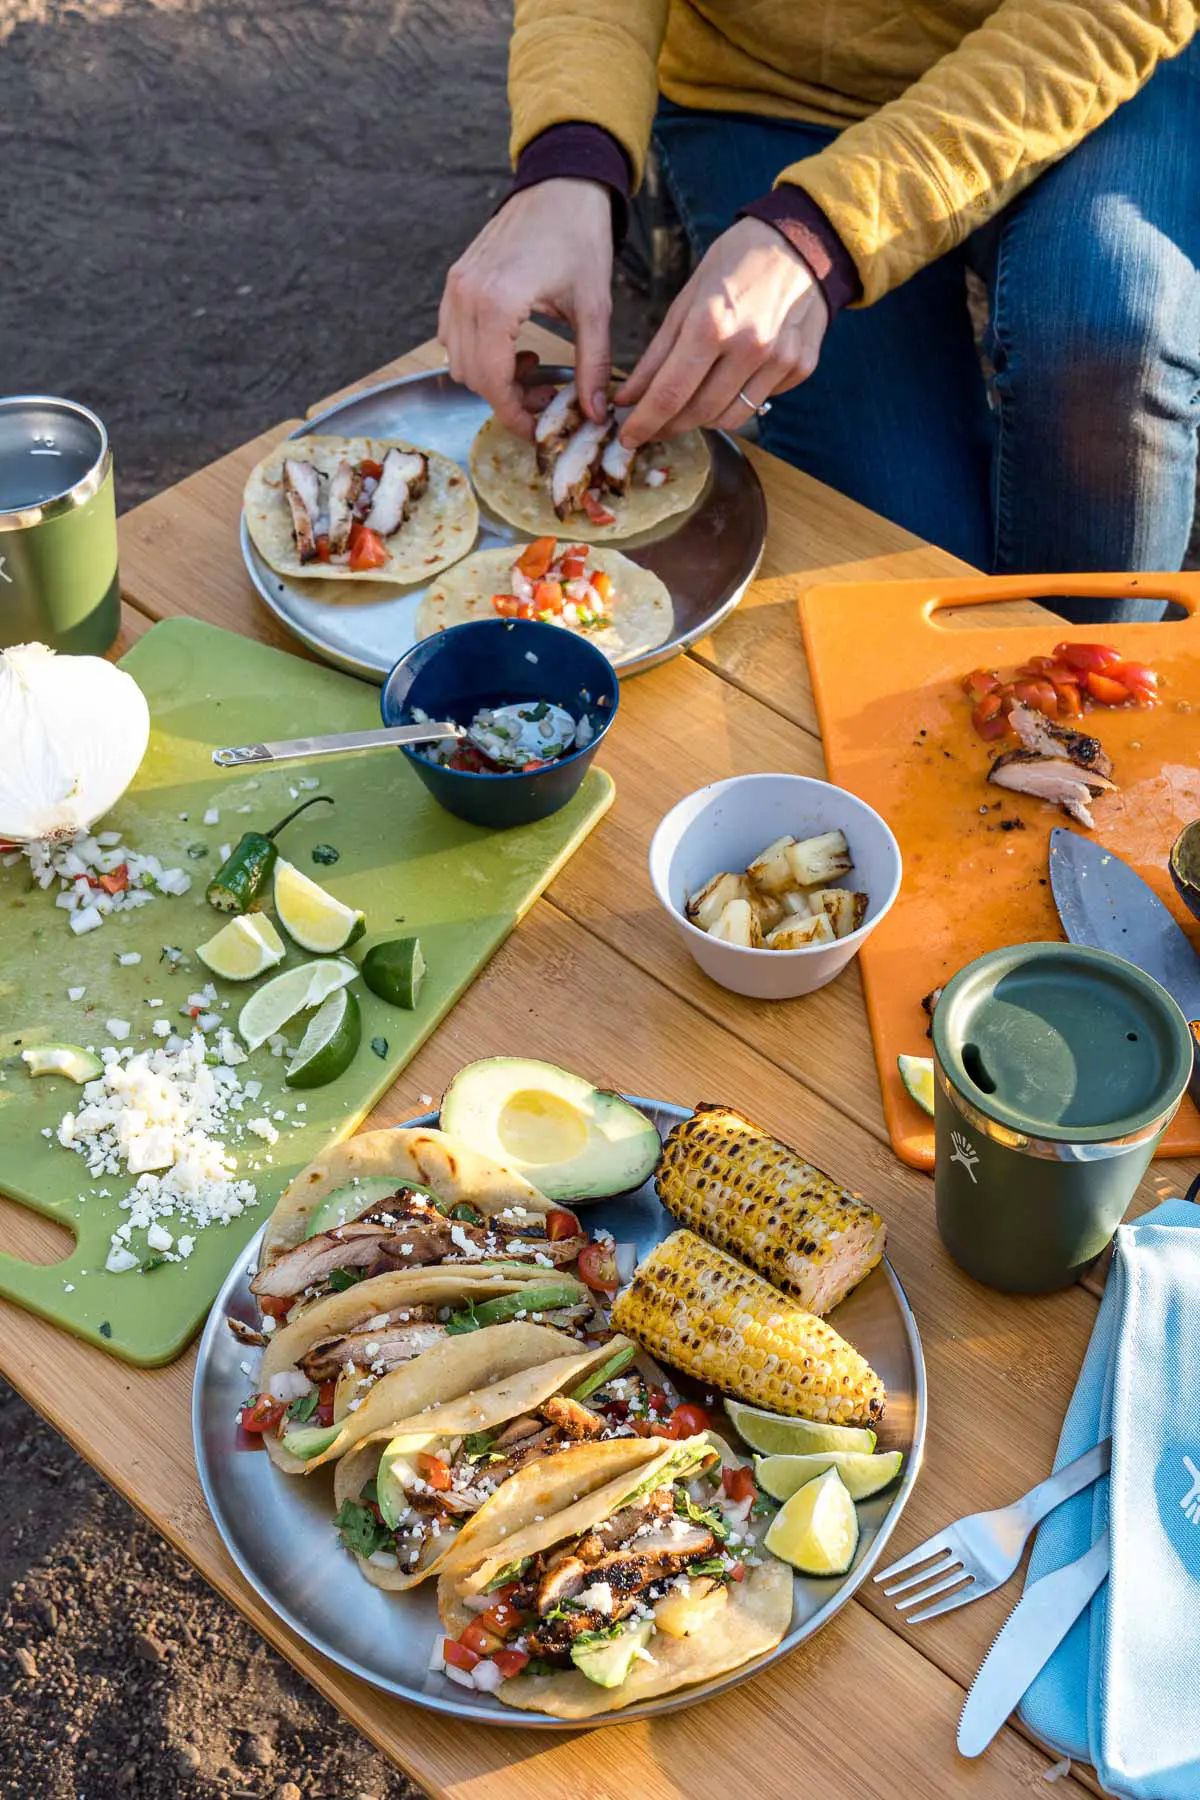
(1057, 1070)
(58, 527)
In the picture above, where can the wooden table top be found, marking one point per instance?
(868, 1707)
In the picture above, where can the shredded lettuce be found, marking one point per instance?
(508, 1572)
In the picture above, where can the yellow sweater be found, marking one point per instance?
(948, 108)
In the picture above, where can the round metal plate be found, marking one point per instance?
(278, 1529)
(707, 557)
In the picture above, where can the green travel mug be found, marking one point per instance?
(58, 527)
(1057, 1070)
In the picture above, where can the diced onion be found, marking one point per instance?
(477, 1603)
(625, 1256)
(486, 1676)
(289, 1384)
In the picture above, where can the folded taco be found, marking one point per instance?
(403, 1494)
(571, 1598)
(392, 1345)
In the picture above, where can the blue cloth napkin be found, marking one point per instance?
(1123, 1689)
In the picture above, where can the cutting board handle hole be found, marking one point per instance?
(972, 1062)
(31, 1236)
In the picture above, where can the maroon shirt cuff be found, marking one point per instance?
(795, 214)
(579, 152)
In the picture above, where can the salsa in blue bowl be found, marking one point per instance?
(491, 663)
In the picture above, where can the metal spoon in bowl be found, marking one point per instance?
(508, 736)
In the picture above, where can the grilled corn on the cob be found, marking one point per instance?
(700, 1310)
(747, 1193)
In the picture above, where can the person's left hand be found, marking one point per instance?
(751, 318)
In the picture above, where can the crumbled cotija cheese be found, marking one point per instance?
(162, 1115)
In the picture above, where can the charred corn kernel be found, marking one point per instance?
(748, 1193)
(700, 1310)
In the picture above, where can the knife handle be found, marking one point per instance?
(1194, 1079)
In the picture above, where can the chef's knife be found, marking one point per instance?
(1102, 902)
(289, 749)
(1032, 1633)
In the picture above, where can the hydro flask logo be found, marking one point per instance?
(966, 1154)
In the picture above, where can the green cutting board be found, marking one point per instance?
(408, 865)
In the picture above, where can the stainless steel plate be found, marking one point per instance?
(278, 1529)
(707, 557)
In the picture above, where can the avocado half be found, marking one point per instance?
(570, 1139)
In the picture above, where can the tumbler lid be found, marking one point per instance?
(1064, 1042)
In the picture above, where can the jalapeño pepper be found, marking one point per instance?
(249, 866)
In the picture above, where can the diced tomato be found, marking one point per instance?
(1105, 690)
(369, 470)
(738, 1572)
(434, 1470)
(500, 1618)
(738, 1484)
(988, 719)
(657, 1401)
(1070, 700)
(689, 1420)
(561, 1224)
(602, 584)
(650, 1428)
(324, 1412)
(536, 558)
(276, 1306)
(547, 596)
(478, 1638)
(506, 1592)
(506, 605)
(368, 551)
(459, 1656)
(117, 882)
(1141, 681)
(993, 729)
(510, 1662)
(572, 566)
(467, 760)
(1038, 694)
(323, 547)
(979, 682)
(1036, 665)
(1088, 658)
(263, 1413)
(598, 514)
(598, 1268)
(986, 707)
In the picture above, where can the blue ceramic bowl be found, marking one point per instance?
(498, 662)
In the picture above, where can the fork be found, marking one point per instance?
(978, 1554)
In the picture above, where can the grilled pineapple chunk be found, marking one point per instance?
(819, 860)
(768, 909)
(682, 1614)
(795, 903)
(844, 909)
(796, 933)
(771, 869)
(706, 907)
(738, 925)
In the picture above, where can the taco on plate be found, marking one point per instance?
(356, 509)
(596, 593)
(600, 1596)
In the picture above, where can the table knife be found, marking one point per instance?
(1103, 903)
(1031, 1634)
(289, 749)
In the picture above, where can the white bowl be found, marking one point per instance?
(724, 826)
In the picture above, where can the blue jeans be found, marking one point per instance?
(1080, 451)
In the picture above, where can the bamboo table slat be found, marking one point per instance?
(595, 978)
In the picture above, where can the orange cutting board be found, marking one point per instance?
(897, 731)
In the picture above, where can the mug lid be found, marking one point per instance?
(1063, 1042)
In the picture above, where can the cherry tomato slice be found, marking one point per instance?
(434, 1471)
(478, 1638)
(738, 1572)
(598, 1268)
(370, 470)
(1070, 701)
(991, 730)
(324, 1412)
(323, 547)
(276, 1306)
(689, 1420)
(1106, 691)
(263, 1413)
(561, 1224)
(510, 1662)
(738, 1484)
(500, 1618)
(603, 585)
(1088, 658)
(598, 514)
(986, 707)
(979, 682)
(1038, 694)
(369, 551)
(547, 596)
(536, 558)
(459, 1656)
(506, 605)
(1135, 675)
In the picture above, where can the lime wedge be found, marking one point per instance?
(246, 947)
(781, 1476)
(916, 1072)
(329, 1045)
(295, 991)
(71, 1060)
(817, 1530)
(395, 971)
(776, 1436)
(314, 918)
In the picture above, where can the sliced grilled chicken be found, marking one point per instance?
(555, 425)
(1053, 778)
(302, 485)
(1039, 734)
(344, 489)
(577, 468)
(576, 1422)
(517, 1429)
(616, 464)
(349, 1247)
(390, 1345)
(404, 476)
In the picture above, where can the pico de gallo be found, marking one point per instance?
(553, 582)
(1065, 685)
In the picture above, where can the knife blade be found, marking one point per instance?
(1031, 1634)
(290, 749)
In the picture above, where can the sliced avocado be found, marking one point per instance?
(608, 1662)
(529, 1299)
(571, 1140)
(619, 1360)
(307, 1441)
(392, 1479)
(354, 1197)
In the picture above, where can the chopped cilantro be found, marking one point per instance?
(589, 1640)
(196, 851)
(686, 1508)
(537, 1665)
(508, 1572)
(380, 1046)
(303, 1408)
(325, 853)
(360, 1530)
(105, 1329)
(540, 711)
(341, 1279)
(708, 1565)
(476, 1442)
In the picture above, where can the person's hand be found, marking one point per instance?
(548, 250)
(751, 319)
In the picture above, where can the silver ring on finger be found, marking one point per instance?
(761, 411)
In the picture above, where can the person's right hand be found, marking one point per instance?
(548, 250)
